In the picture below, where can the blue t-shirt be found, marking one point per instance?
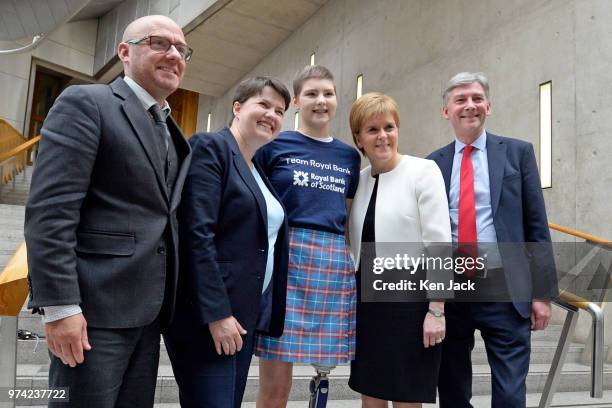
(312, 178)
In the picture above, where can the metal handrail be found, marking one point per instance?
(573, 304)
(597, 358)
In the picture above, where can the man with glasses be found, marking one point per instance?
(101, 225)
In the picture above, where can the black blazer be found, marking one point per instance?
(224, 237)
(100, 223)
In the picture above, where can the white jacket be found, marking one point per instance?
(411, 205)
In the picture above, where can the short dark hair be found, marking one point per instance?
(310, 72)
(255, 86)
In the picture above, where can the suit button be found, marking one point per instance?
(161, 250)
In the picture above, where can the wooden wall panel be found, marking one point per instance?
(184, 106)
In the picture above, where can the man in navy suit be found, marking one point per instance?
(494, 197)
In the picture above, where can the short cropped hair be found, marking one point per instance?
(367, 106)
(310, 72)
(254, 86)
(466, 78)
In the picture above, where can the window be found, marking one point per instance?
(296, 121)
(208, 120)
(359, 85)
(546, 134)
(312, 58)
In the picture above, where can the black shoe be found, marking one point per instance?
(27, 335)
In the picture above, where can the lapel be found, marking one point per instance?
(245, 173)
(445, 162)
(183, 151)
(496, 156)
(142, 127)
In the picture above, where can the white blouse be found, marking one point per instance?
(276, 215)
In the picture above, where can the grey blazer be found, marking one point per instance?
(100, 224)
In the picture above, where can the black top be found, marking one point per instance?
(367, 233)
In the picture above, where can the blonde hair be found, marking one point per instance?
(367, 106)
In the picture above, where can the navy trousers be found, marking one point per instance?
(507, 337)
(205, 380)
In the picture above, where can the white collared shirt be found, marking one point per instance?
(145, 97)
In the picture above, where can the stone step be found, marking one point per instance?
(575, 377)
(17, 194)
(542, 352)
(11, 231)
(560, 400)
(552, 332)
(544, 344)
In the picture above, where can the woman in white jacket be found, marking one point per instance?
(400, 198)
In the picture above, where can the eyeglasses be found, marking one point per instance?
(162, 44)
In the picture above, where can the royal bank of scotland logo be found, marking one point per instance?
(300, 178)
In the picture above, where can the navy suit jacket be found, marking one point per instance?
(519, 217)
(224, 239)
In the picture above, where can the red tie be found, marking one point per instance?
(467, 209)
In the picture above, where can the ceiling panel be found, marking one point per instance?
(287, 14)
(26, 16)
(245, 30)
(227, 44)
(22, 19)
(239, 36)
(41, 13)
(232, 54)
(197, 84)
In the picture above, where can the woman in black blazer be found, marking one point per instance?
(233, 252)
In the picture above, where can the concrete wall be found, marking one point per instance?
(409, 49)
(115, 21)
(72, 47)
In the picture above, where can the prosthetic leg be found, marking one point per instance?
(319, 386)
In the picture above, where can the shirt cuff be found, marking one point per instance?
(53, 313)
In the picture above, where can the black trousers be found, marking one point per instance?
(120, 370)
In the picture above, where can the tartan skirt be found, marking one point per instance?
(321, 301)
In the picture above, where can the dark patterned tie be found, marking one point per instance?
(164, 134)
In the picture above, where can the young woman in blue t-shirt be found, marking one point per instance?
(316, 177)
